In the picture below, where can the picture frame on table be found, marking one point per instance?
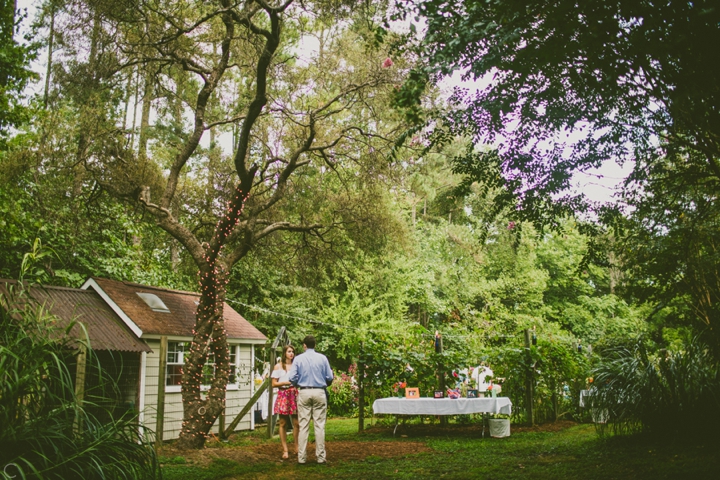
(472, 393)
(439, 394)
(412, 393)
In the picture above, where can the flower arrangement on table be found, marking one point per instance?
(493, 390)
(398, 388)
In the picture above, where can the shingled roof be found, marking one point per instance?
(180, 320)
(105, 329)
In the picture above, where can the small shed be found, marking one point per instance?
(117, 349)
(126, 322)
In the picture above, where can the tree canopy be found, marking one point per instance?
(564, 86)
(14, 72)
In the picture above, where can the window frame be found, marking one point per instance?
(177, 355)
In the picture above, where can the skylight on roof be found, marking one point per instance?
(154, 302)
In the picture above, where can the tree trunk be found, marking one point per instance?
(529, 387)
(201, 413)
(51, 38)
(83, 142)
(145, 115)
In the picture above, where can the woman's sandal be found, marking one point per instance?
(285, 455)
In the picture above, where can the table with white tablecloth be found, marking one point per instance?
(441, 406)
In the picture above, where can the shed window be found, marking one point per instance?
(176, 360)
(209, 369)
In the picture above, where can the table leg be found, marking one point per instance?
(397, 419)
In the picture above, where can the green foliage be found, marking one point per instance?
(343, 394)
(375, 243)
(385, 359)
(675, 393)
(82, 236)
(14, 71)
(555, 368)
(45, 432)
(614, 74)
(670, 242)
(467, 269)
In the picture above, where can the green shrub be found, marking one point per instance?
(45, 432)
(558, 373)
(343, 395)
(664, 392)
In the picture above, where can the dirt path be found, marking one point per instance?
(412, 441)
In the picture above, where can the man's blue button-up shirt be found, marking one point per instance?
(311, 369)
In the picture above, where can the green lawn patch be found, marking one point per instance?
(573, 452)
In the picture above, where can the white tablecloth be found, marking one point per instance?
(441, 406)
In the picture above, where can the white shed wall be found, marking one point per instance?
(235, 398)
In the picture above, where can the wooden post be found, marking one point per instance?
(271, 390)
(271, 418)
(80, 385)
(529, 386)
(440, 372)
(361, 390)
(221, 424)
(247, 407)
(160, 420)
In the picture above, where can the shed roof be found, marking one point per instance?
(180, 320)
(105, 328)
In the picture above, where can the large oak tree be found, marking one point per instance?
(237, 122)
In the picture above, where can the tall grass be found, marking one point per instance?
(45, 432)
(662, 392)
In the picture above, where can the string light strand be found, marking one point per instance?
(326, 324)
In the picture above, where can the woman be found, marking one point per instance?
(286, 402)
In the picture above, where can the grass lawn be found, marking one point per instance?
(455, 451)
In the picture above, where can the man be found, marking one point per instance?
(311, 374)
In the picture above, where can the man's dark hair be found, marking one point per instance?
(309, 341)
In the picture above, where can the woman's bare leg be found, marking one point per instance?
(283, 436)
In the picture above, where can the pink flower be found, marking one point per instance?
(511, 225)
(387, 63)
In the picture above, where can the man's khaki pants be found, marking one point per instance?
(312, 404)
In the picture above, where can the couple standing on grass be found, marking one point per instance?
(302, 384)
